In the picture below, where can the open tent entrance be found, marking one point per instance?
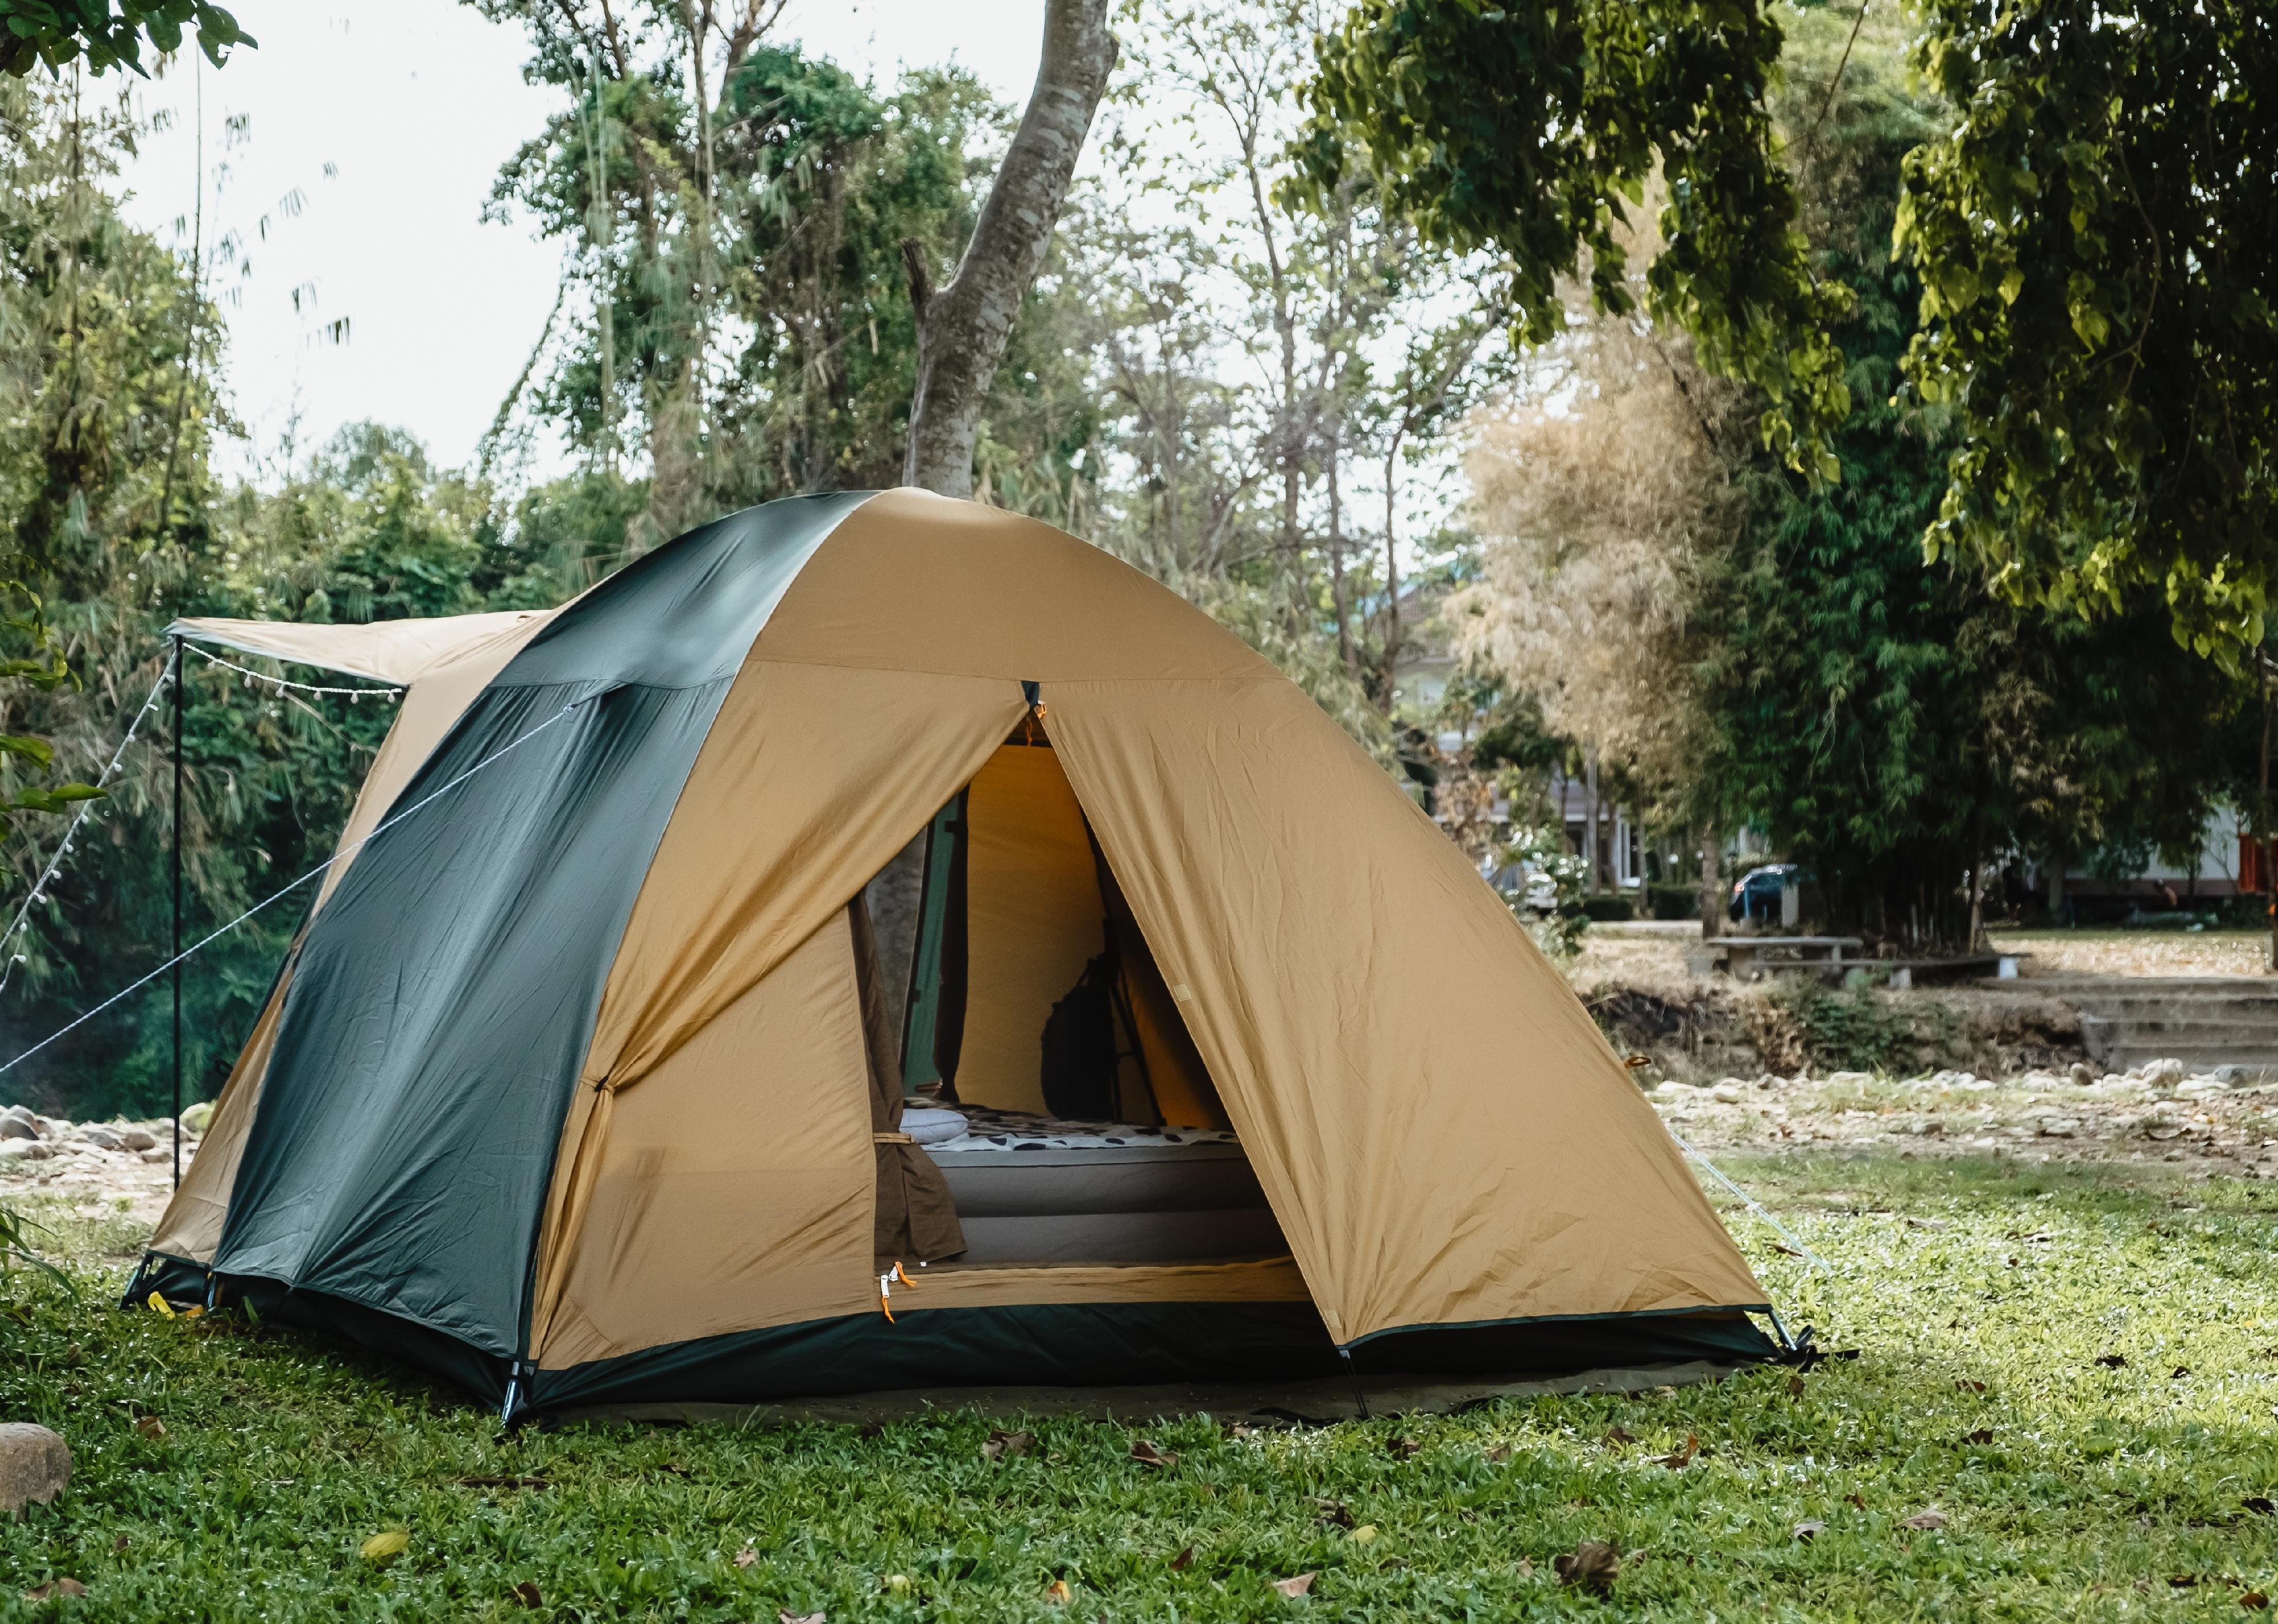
(1036, 1009)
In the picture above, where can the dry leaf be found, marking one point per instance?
(1983, 1435)
(119, 1544)
(1966, 1385)
(2182, 1581)
(1593, 1567)
(1809, 1529)
(2260, 1504)
(1856, 1500)
(527, 1594)
(747, 1557)
(784, 1615)
(1239, 1429)
(1401, 1448)
(1619, 1433)
(1796, 1387)
(1526, 1567)
(2112, 1361)
(1002, 1443)
(150, 1426)
(1301, 1585)
(1058, 1593)
(1500, 1454)
(1146, 1454)
(2254, 1601)
(384, 1546)
(1931, 1519)
(1184, 1560)
(1335, 1513)
(899, 1584)
(1362, 1535)
(1683, 1458)
(2180, 1371)
(54, 1587)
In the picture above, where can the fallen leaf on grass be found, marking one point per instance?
(1966, 1385)
(2180, 1371)
(1146, 1454)
(502, 1482)
(384, 1546)
(1593, 1567)
(1499, 1453)
(2112, 1361)
(1058, 1593)
(1857, 1500)
(1184, 1560)
(1002, 1442)
(1928, 1224)
(897, 1584)
(151, 1427)
(527, 1594)
(1401, 1448)
(1335, 1513)
(54, 1587)
(2260, 1504)
(120, 1543)
(1301, 1585)
(1931, 1519)
(1796, 1387)
(1362, 1535)
(1619, 1433)
(2183, 1582)
(1810, 1529)
(1683, 1458)
(2254, 1601)
(1983, 1435)
(1240, 1430)
(747, 1557)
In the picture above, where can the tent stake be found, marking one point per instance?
(177, 845)
(1352, 1374)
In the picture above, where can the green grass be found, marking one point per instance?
(2096, 1487)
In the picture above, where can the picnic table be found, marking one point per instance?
(1749, 958)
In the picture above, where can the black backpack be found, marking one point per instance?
(1080, 1053)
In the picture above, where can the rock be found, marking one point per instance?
(17, 1123)
(2160, 1073)
(1852, 1078)
(158, 1154)
(101, 1138)
(34, 1465)
(135, 1139)
(2059, 1127)
(2082, 1073)
(1726, 1094)
(25, 1150)
(199, 1117)
(2192, 1087)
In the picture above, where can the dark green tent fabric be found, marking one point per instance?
(445, 995)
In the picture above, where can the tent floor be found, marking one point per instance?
(1313, 1402)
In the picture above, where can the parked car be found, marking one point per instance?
(1522, 886)
(1756, 894)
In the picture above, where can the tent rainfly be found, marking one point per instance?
(582, 1082)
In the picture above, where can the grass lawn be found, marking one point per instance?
(1980, 1294)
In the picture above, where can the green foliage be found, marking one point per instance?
(1527, 129)
(109, 32)
(16, 1247)
(2100, 263)
(1886, 723)
(1542, 850)
(1860, 1030)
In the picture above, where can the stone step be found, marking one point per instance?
(2184, 1029)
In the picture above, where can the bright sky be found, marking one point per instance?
(391, 119)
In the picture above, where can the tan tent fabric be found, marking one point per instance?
(385, 651)
(733, 1188)
(916, 1219)
(1443, 1134)
(191, 1225)
(971, 1287)
(1035, 919)
(1183, 1091)
(438, 697)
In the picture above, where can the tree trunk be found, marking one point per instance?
(962, 327)
(1712, 885)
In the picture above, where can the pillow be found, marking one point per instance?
(932, 1127)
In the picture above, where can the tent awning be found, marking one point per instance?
(384, 651)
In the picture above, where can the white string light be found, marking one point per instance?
(252, 676)
(345, 851)
(86, 808)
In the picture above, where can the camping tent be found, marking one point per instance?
(580, 1082)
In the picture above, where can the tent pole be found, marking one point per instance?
(177, 972)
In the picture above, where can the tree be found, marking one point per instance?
(1525, 129)
(2099, 306)
(61, 32)
(962, 326)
